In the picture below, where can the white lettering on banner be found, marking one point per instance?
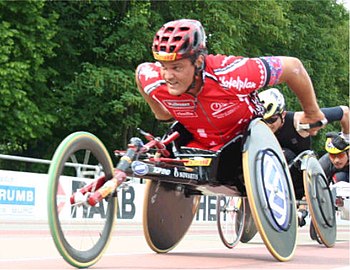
(6, 179)
(207, 209)
(238, 83)
(17, 195)
(27, 199)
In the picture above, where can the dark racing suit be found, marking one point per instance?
(293, 144)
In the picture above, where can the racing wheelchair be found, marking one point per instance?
(236, 224)
(257, 173)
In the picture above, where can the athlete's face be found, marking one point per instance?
(275, 122)
(339, 160)
(178, 75)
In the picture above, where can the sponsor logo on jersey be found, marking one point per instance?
(237, 83)
(176, 104)
(185, 114)
(222, 109)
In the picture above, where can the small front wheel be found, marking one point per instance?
(230, 213)
(80, 232)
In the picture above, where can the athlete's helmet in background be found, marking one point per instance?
(335, 143)
(179, 39)
(273, 101)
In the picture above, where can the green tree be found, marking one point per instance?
(101, 44)
(69, 65)
(26, 43)
(320, 37)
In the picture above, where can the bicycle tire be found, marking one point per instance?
(70, 223)
(230, 219)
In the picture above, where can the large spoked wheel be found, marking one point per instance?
(320, 202)
(80, 232)
(270, 191)
(167, 214)
(230, 213)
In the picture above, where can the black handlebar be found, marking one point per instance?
(320, 123)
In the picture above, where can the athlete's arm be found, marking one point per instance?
(339, 113)
(296, 77)
(344, 122)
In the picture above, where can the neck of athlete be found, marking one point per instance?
(196, 84)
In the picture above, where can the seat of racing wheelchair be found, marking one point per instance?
(225, 163)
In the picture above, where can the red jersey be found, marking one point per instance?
(227, 101)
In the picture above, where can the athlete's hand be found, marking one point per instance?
(310, 123)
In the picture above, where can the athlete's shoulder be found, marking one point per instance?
(219, 60)
(148, 73)
(149, 69)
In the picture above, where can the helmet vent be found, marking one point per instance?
(169, 30)
(165, 39)
(185, 45)
(195, 42)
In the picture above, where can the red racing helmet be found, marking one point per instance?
(179, 39)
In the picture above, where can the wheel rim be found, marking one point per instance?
(72, 225)
(230, 219)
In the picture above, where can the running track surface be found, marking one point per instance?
(28, 245)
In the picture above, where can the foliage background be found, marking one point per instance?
(69, 65)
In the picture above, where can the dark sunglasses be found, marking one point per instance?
(339, 155)
(272, 119)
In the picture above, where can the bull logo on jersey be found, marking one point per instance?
(276, 192)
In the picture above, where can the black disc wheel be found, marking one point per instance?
(167, 214)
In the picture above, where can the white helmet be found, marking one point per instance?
(273, 101)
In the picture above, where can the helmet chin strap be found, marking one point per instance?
(197, 71)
